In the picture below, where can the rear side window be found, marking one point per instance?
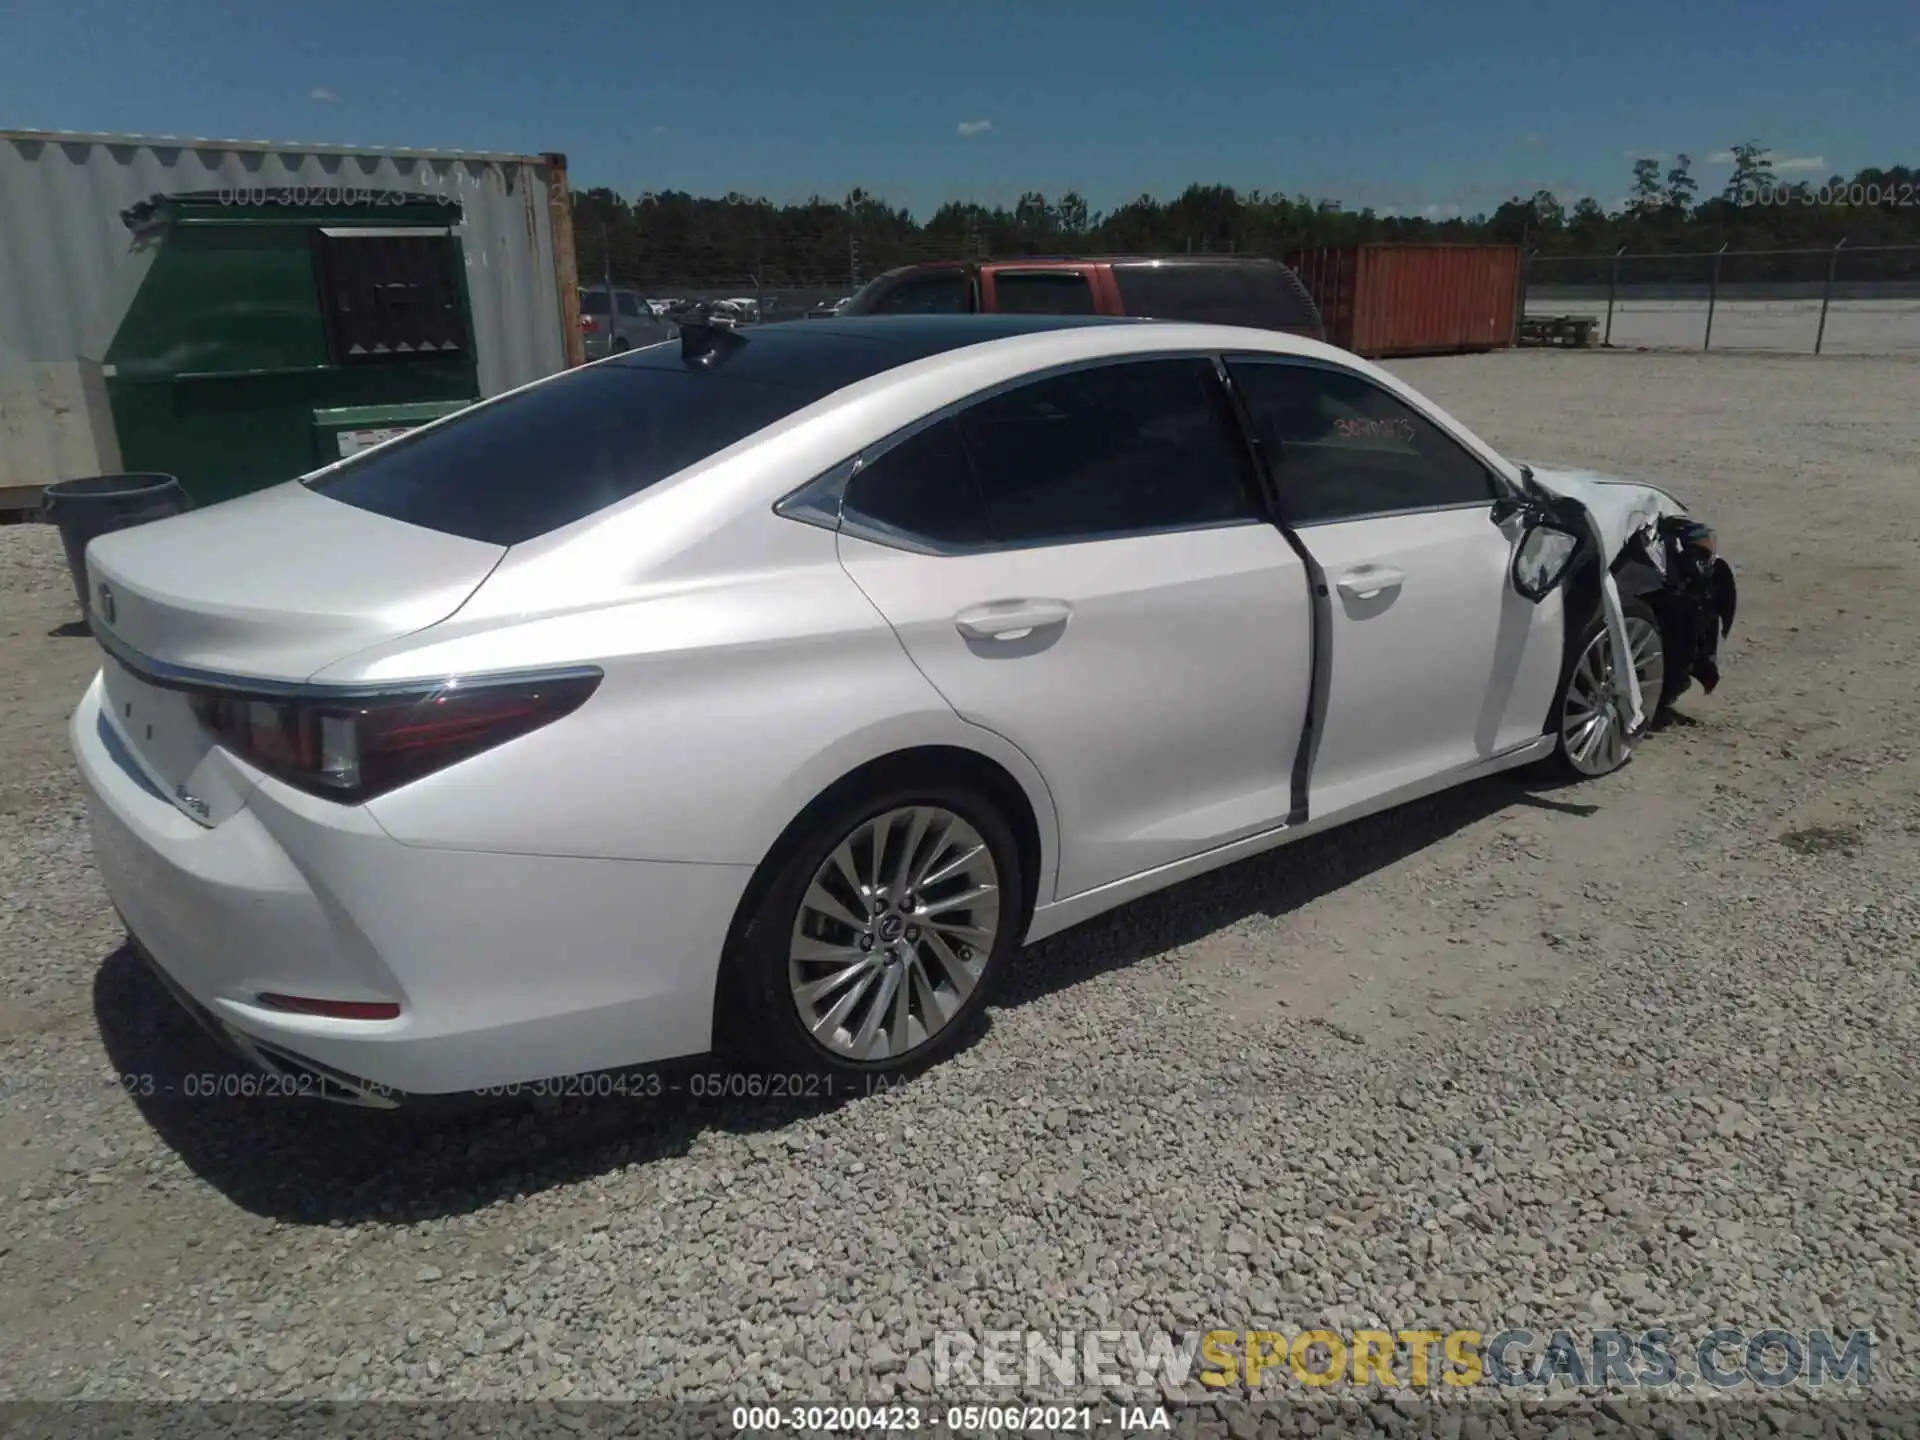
(1210, 294)
(1043, 292)
(921, 489)
(946, 292)
(629, 305)
(593, 302)
(1113, 450)
(1343, 448)
(1215, 294)
(558, 451)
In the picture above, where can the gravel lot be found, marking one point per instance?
(1637, 1051)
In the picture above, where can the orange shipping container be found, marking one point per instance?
(1380, 300)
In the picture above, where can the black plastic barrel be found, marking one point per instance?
(100, 504)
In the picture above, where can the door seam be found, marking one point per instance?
(1053, 803)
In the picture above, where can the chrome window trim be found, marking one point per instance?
(165, 675)
(822, 500)
(1449, 507)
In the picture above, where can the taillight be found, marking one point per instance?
(589, 324)
(352, 750)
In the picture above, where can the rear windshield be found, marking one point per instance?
(552, 454)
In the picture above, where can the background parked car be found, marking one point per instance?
(622, 321)
(1209, 289)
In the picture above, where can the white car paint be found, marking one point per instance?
(1438, 663)
(561, 903)
(1622, 506)
(1185, 645)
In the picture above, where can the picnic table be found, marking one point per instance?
(1570, 330)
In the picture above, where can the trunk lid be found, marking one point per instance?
(271, 587)
(278, 584)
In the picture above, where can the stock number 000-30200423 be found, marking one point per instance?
(697, 1085)
(958, 1419)
(297, 196)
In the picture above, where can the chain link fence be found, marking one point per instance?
(1841, 300)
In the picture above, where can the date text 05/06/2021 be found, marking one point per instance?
(1007, 1419)
(661, 1084)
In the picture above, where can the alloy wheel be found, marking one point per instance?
(894, 933)
(1593, 727)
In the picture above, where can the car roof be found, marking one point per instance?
(822, 356)
(1049, 262)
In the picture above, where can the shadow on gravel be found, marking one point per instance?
(1272, 884)
(307, 1162)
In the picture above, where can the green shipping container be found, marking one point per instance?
(257, 342)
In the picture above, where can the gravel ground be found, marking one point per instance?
(1639, 1051)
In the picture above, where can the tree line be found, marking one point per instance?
(660, 241)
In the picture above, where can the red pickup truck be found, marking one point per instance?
(1216, 289)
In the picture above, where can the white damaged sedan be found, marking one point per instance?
(766, 689)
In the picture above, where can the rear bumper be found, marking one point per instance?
(507, 968)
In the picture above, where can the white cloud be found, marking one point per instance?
(323, 95)
(1646, 154)
(1445, 210)
(658, 130)
(1780, 163)
(973, 127)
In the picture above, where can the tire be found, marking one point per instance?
(813, 982)
(1590, 739)
(620, 346)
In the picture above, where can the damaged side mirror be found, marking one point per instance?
(1542, 558)
(1508, 506)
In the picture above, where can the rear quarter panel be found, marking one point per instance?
(729, 703)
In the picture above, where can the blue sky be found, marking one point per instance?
(1417, 107)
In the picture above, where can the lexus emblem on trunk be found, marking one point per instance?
(106, 602)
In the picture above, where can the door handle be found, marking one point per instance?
(1366, 581)
(1010, 619)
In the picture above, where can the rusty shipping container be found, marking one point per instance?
(1382, 300)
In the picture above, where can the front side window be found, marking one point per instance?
(1342, 448)
(1043, 292)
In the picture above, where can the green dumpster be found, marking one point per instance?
(254, 342)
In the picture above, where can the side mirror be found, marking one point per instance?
(1542, 558)
(1508, 506)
